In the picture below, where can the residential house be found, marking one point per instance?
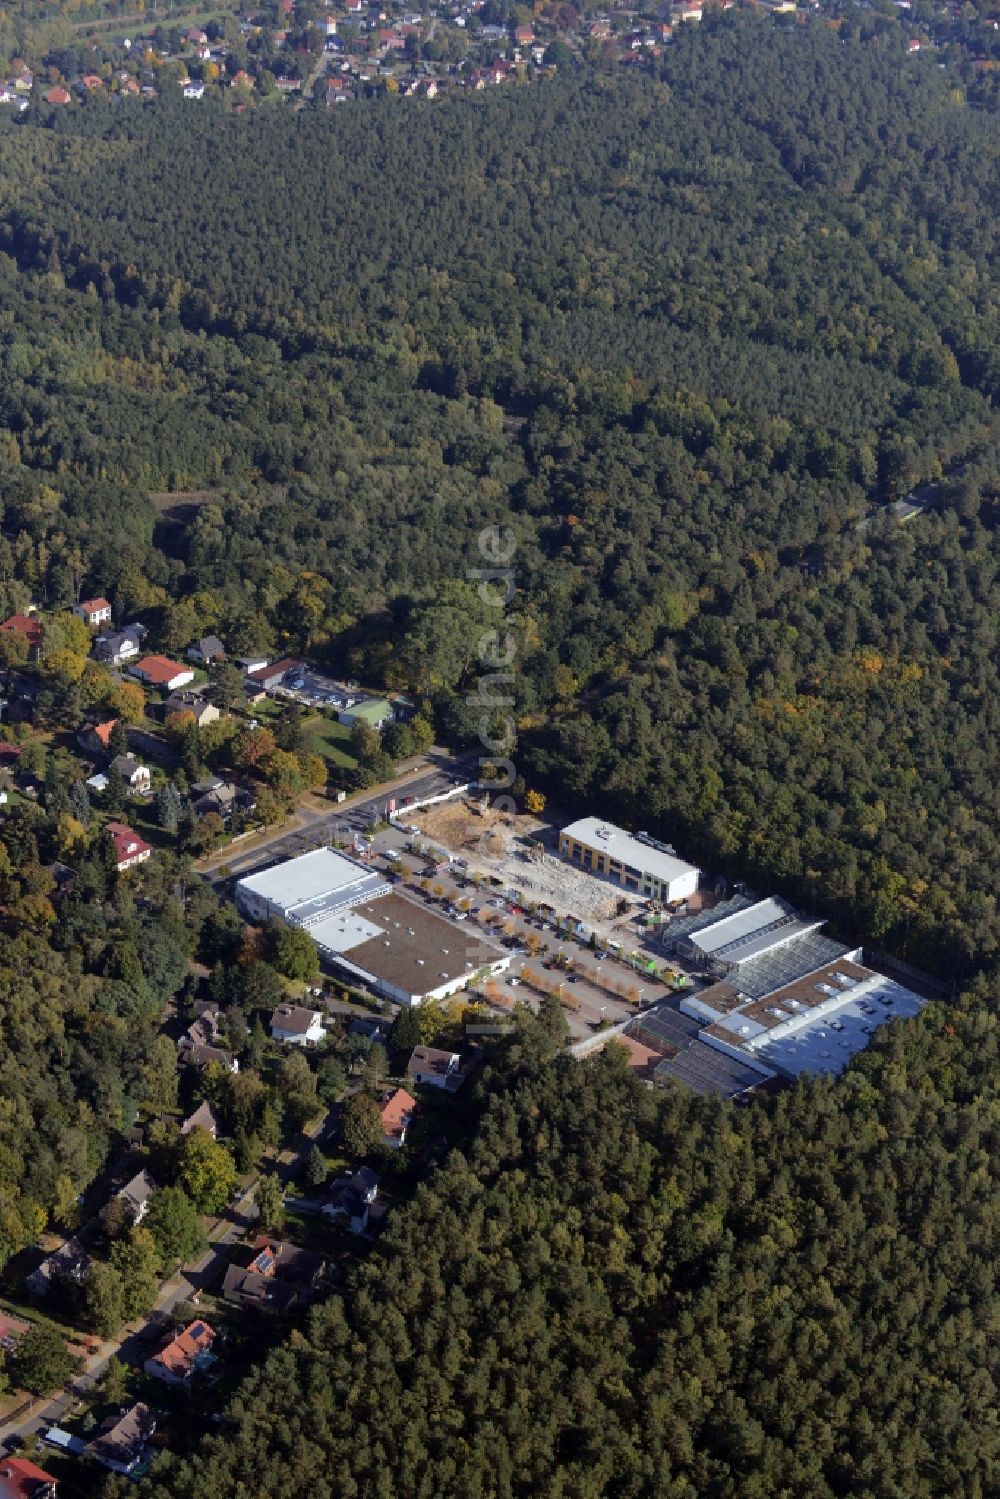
(220, 796)
(97, 782)
(351, 1197)
(202, 1118)
(121, 1441)
(20, 1478)
(199, 1055)
(192, 702)
(396, 1111)
(272, 1274)
(369, 1027)
(297, 1026)
(206, 1027)
(207, 650)
(129, 847)
(187, 1354)
(93, 612)
(95, 738)
(135, 776)
(249, 664)
(159, 671)
(430, 1068)
(115, 647)
(70, 1262)
(266, 678)
(135, 1195)
(31, 631)
(57, 95)
(193, 90)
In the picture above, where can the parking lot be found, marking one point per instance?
(594, 985)
(314, 690)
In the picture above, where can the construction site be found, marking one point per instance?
(517, 852)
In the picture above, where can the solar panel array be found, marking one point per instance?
(665, 1027)
(705, 1070)
(772, 970)
(686, 926)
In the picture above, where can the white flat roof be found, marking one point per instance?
(622, 846)
(342, 930)
(311, 880)
(829, 1042)
(741, 925)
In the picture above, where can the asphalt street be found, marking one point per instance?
(341, 823)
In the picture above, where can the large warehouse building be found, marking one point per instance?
(633, 860)
(394, 945)
(786, 1000)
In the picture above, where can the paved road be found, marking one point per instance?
(317, 826)
(140, 1340)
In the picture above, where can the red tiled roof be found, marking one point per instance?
(179, 1355)
(265, 673)
(20, 1478)
(396, 1112)
(102, 731)
(93, 605)
(127, 843)
(159, 670)
(23, 624)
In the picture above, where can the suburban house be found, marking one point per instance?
(129, 847)
(221, 797)
(159, 671)
(93, 612)
(368, 1027)
(396, 1112)
(266, 678)
(199, 1055)
(20, 1478)
(206, 1027)
(431, 1068)
(207, 650)
(95, 738)
(296, 1025)
(121, 1440)
(250, 664)
(118, 646)
(135, 776)
(191, 702)
(31, 631)
(70, 1261)
(351, 1197)
(135, 1195)
(186, 1355)
(202, 1118)
(272, 1274)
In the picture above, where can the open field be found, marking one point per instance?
(332, 740)
(502, 845)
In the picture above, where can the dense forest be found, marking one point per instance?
(680, 343)
(615, 1292)
(687, 332)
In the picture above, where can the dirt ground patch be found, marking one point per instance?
(496, 843)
